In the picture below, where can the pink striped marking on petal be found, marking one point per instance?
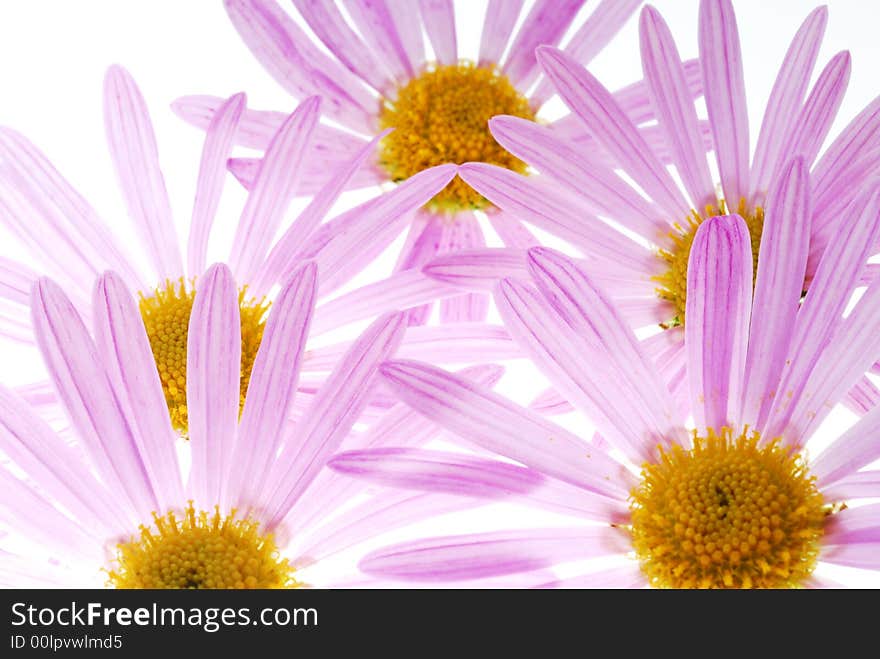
(786, 98)
(136, 160)
(125, 349)
(608, 123)
(725, 93)
(719, 300)
(84, 387)
(494, 423)
(273, 382)
(212, 172)
(491, 554)
(273, 189)
(498, 26)
(334, 410)
(461, 234)
(213, 365)
(478, 269)
(779, 284)
(674, 107)
(298, 65)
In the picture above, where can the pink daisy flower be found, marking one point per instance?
(377, 76)
(256, 509)
(736, 502)
(67, 240)
(640, 253)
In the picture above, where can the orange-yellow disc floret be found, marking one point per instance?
(731, 512)
(200, 551)
(166, 314)
(442, 116)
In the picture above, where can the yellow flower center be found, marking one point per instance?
(672, 284)
(728, 513)
(200, 551)
(166, 315)
(442, 116)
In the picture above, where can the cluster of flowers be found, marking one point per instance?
(188, 436)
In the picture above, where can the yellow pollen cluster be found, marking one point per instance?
(672, 284)
(442, 116)
(728, 513)
(166, 318)
(200, 551)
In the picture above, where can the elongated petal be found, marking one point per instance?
(280, 262)
(675, 109)
(272, 190)
(375, 22)
(302, 69)
(498, 25)
(603, 190)
(780, 281)
(213, 364)
(273, 382)
(511, 231)
(596, 107)
(438, 17)
(627, 576)
(719, 300)
(463, 233)
(123, 344)
(854, 538)
(582, 345)
(786, 97)
(36, 201)
(136, 160)
(328, 23)
(860, 485)
(84, 388)
(478, 269)
(377, 223)
(821, 311)
(335, 408)
(725, 93)
(212, 170)
(484, 418)
(491, 554)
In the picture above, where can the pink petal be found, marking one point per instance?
(719, 299)
(599, 111)
(83, 386)
(778, 288)
(494, 423)
(272, 190)
(786, 98)
(674, 107)
(461, 234)
(329, 25)
(377, 223)
(725, 92)
(212, 171)
(213, 365)
(273, 382)
(501, 16)
(423, 240)
(853, 538)
(491, 554)
(857, 447)
(626, 576)
(329, 419)
(125, 349)
(511, 231)
(438, 17)
(604, 191)
(375, 21)
(860, 485)
(136, 160)
(297, 65)
(478, 269)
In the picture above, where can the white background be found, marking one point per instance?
(53, 54)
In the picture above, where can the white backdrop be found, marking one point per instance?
(53, 54)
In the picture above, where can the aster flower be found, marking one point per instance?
(377, 76)
(68, 241)
(112, 507)
(640, 253)
(737, 501)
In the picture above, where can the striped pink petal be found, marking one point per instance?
(462, 234)
(438, 17)
(375, 21)
(719, 299)
(213, 365)
(136, 160)
(860, 485)
(501, 16)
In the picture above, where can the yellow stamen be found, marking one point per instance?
(442, 116)
(200, 551)
(672, 284)
(166, 315)
(729, 513)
